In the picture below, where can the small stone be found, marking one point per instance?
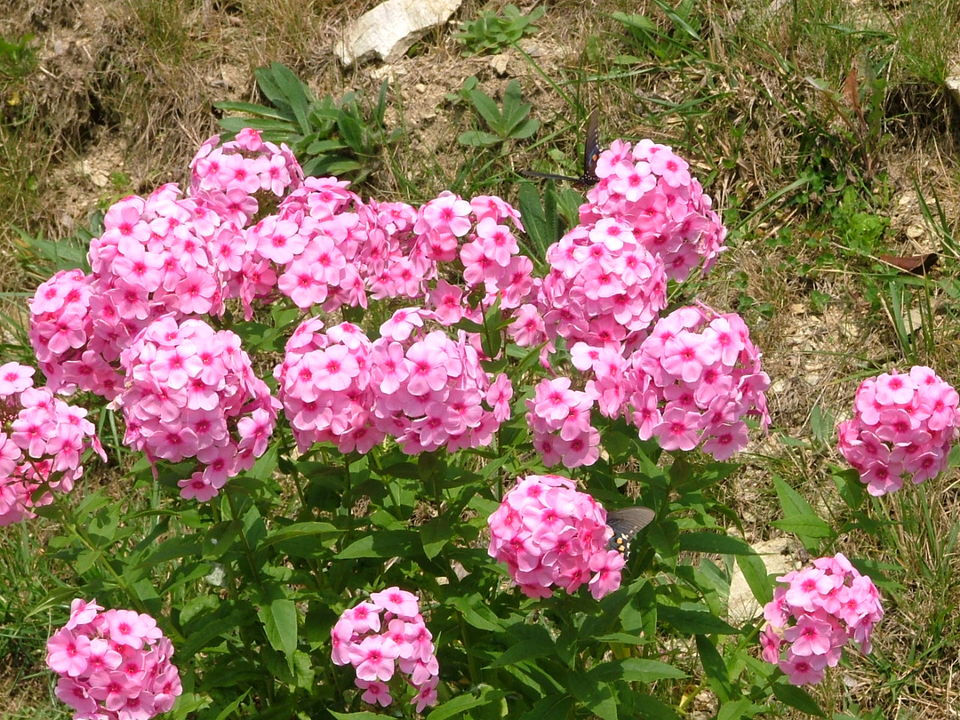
(531, 48)
(499, 64)
(915, 231)
(420, 88)
(388, 30)
(953, 87)
(99, 179)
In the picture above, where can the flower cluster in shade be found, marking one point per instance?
(414, 384)
(904, 425)
(191, 394)
(649, 188)
(113, 664)
(42, 442)
(383, 639)
(819, 610)
(549, 534)
(160, 254)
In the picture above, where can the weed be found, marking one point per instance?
(507, 123)
(331, 137)
(491, 33)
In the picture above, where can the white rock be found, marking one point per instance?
(777, 558)
(499, 64)
(953, 86)
(391, 28)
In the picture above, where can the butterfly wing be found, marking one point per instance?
(626, 523)
(591, 150)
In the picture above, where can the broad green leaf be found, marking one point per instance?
(694, 622)
(300, 530)
(797, 698)
(487, 109)
(435, 535)
(478, 138)
(461, 703)
(529, 641)
(382, 544)
(550, 707)
(350, 130)
(711, 542)
(279, 618)
(526, 130)
(178, 546)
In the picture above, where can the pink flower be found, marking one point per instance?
(812, 618)
(547, 533)
(379, 655)
(904, 426)
(114, 664)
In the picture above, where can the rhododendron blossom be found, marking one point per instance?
(693, 380)
(549, 534)
(904, 426)
(383, 639)
(42, 441)
(650, 190)
(113, 664)
(190, 393)
(812, 618)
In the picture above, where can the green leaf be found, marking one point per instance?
(232, 707)
(711, 542)
(755, 573)
(529, 641)
(351, 131)
(648, 671)
(526, 130)
(177, 546)
(797, 698)
(487, 109)
(550, 707)
(715, 668)
(799, 517)
(356, 716)
(381, 544)
(279, 618)
(435, 535)
(476, 613)
(281, 81)
(477, 138)
(694, 622)
(300, 530)
(462, 703)
(735, 709)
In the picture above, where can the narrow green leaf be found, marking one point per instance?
(648, 671)
(755, 573)
(529, 641)
(300, 530)
(351, 131)
(477, 138)
(550, 707)
(715, 668)
(487, 109)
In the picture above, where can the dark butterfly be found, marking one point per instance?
(626, 523)
(591, 152)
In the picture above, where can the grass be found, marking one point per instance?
(822, 130)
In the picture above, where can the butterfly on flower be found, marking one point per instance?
(591, 153)
(626, 523)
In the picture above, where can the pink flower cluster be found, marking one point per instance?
(42, 441)
(559, 419)
(810, 620)
(604, 288)
(378, 636)
(547, 533)
(694, 379)
(191, 393)
(113, 664)
(904, 425)
(649, 188)
(419, 386)
(229, 176)
(160, 254)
